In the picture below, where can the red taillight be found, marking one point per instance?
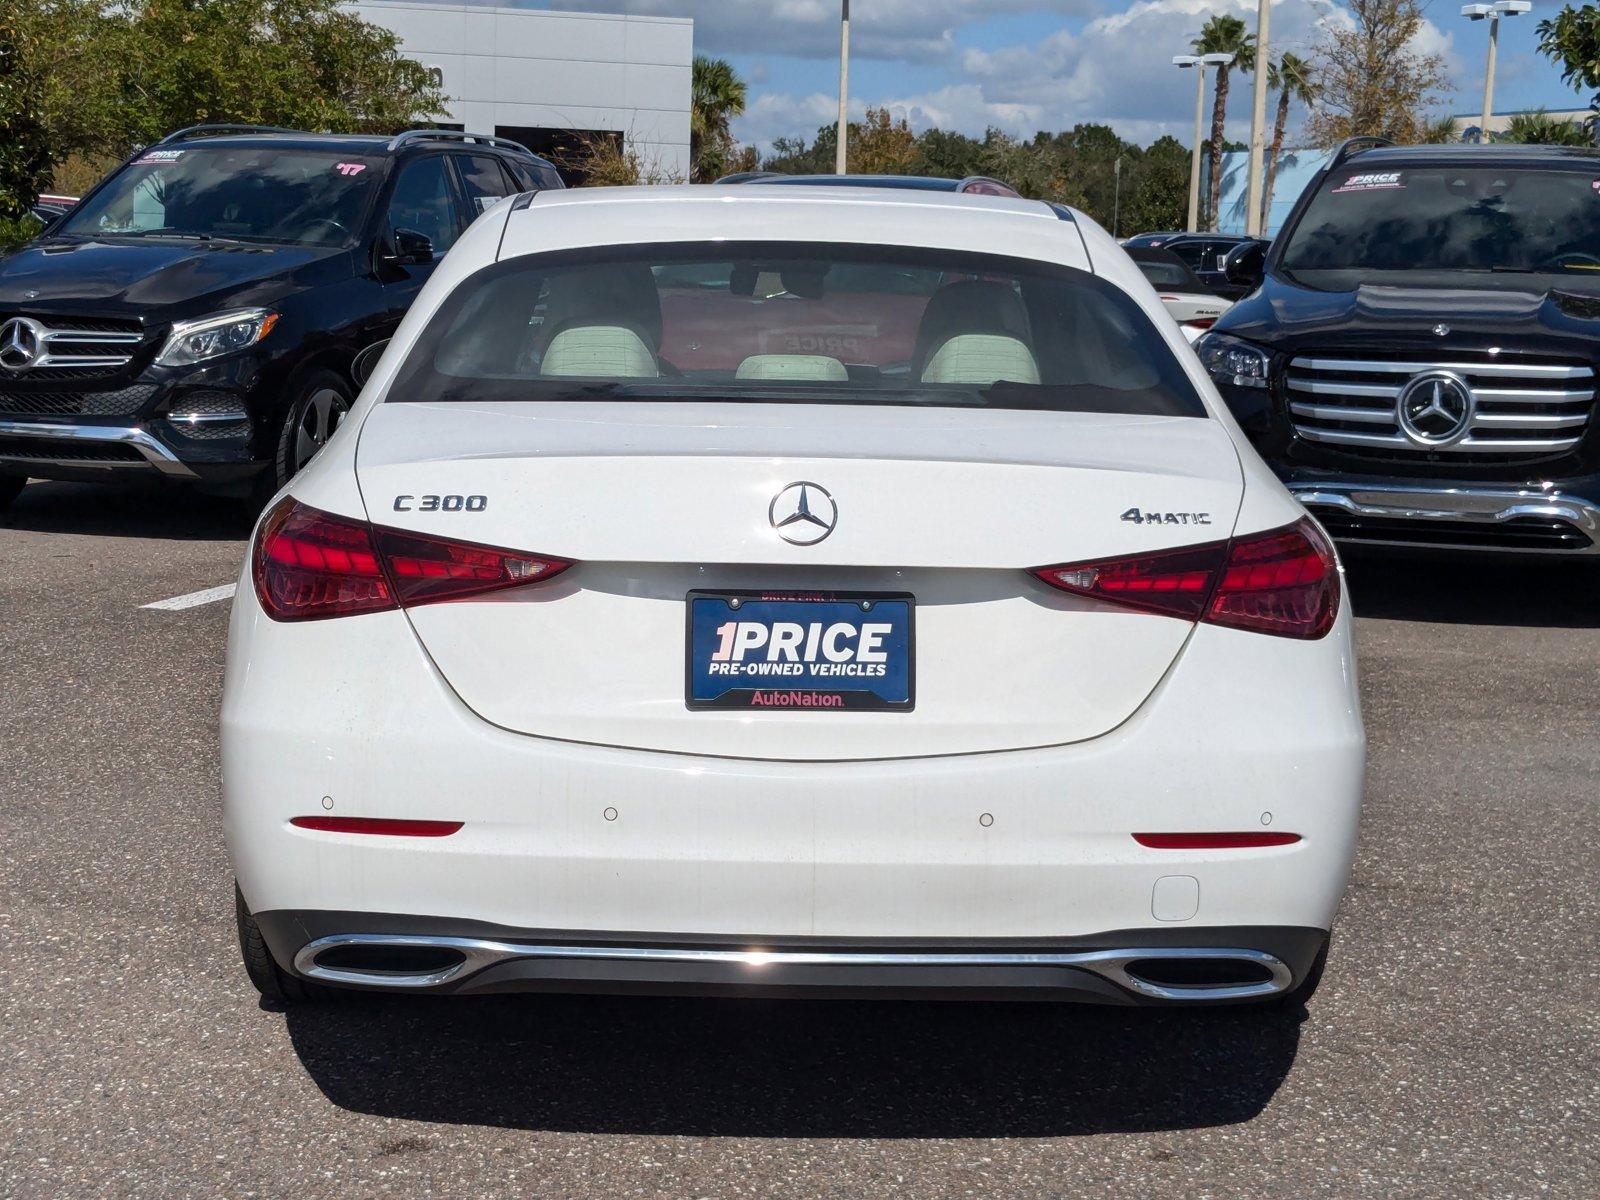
(1285, 582)
(309, 565)
(1214, 841)
(389, 826)
(1201, 322)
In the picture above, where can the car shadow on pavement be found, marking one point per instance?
(775, 1068)
(1473, 591)
(143, 509)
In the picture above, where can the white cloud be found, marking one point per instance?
(1116, 69)
(905, 30)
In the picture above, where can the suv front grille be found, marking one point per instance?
(46, 348)
(120, 403)
(1515, 410)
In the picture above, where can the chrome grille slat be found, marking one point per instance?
(1362, 366)
(1334, 412)
(1518, 410)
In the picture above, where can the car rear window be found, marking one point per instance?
(805, 322)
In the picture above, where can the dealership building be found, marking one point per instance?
(553, 79)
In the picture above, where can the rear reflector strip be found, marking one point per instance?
(384, 825)
(1214, 841)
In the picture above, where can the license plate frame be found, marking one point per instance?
(786, 696)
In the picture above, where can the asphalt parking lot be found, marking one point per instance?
(1452, 1050)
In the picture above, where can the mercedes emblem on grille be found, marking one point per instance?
(803, 513)
(21, 343)
(1435, 409)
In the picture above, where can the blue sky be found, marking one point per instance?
(1030, 64)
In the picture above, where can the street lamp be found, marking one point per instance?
(840, 151)
(1492, 13)
(1200, 62)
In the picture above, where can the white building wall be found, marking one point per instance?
(564, 70)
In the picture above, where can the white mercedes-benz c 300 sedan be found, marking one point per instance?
(760, 589)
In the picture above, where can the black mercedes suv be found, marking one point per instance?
(1418, 359)
(198, 314)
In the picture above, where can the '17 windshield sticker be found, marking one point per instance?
(350, 168)
(1372, 181)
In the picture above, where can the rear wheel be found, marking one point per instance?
(275, 984)
(10, 488)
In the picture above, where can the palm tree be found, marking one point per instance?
(1292, 76)
(1540, 128)
(716, 96)
(1223, 35)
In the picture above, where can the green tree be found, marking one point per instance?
(1223, 34)
(1291, 75)
(121, 75)
(1371, 79)
(1539, 128)
(882, 144)
(716, 96)
(1572, 39)
(1157, 195)
(24, 136)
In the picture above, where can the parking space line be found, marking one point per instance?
(194, 599)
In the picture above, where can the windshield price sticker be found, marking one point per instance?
(1371, 181)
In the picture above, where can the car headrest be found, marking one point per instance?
(981, 358)
(598, 352)
(971, 306)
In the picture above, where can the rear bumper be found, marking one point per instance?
(575, 841)
(1547, 520)
(1125, 967)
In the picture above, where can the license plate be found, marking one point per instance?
(800, 651)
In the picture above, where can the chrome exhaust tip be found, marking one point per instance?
(405, 962)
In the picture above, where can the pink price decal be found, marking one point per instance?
(350, 168)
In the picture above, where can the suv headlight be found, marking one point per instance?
(1233, 361)
(221, 333)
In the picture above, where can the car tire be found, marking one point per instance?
(275, 984)
(321, 401)
(10, 488)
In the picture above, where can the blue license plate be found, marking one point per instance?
(800, 651)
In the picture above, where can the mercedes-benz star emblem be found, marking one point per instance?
(1435, 408)
(20, 344)
(803, 513)
(1441, 330)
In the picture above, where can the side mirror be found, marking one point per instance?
(362, 366)
(412, 247)
(1246, 265)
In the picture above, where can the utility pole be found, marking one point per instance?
(1116, 197)
(841, 153)
(1258, 122)
(1492, 13)
(1199, 63)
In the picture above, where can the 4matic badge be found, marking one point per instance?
(1149, 516)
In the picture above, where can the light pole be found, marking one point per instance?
(1258, 122)
(1492, 13)
(1199, 62)
(841, 153)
